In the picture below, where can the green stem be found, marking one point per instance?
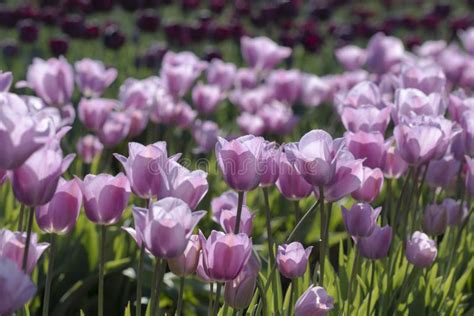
(294, 289)
(271, 255)
(20, 217)
(28, 238)
(402, 195)
(322, 246)
(49, 276)
(371, 288)
(226, 310)
(103, 231)
(138, 307)
(160, 267)
(355, 266)
(179, 309)
(388, 204)
(418, 196)
(211, 294)
(218, 298)
(408, 207)
(239, 212)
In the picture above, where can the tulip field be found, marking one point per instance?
(227, 158)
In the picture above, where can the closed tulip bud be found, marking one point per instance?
(168, 227)
(60, 214)
(361, 219)
(377, 244)
(115, 129)
(435, 219)
(271, 162)
(138, 121)
(251, 124)
(467, 39)
(366, 119)
(371, 185)
(262, 53)
(226, 201)
(245, 78)
(292, 259)
(421, 250)
(285, 85)
(368, 146)
(290, 183)
(186, 263)
(206, 98)
(6, 79)
(178, 78)
(93, 113)
(442, 172)
(351, 57)
(240, 161)
(105, 197)
(239, 292)
(228, 218)
(456, 213)
(92, 77)
(314, 90)
(470, 176)
(394, 166)
(16, 287)
(12, 246)
(217, 250)
(221, 74)
(314, 301)
(428, 79)
(88, 148)
(365, 93)
(412, 102)
(205, 135)
(384, 52)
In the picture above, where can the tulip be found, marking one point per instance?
(285, 85)
(240, 161)
(92, 77)
(3, 176)
(245, 78)
(467, 136)
(452, 60)
(113, 38)
(59, 45)
(205, 135)
(225, 255)
(60, 214)
(384, 52)
(412, 102)
(200, 272)
(456, 213)
(431, 48)
(435, 219)
(89, 148)
(364, 93)
(347, 178)
(292, 259)
(16, 287)
(251, 124)
(52, 80)
(140, 94)
(239, 292)
(93, 113)
(314, 301)
(271, 161)
(290, 183)
(262, 53)
(470, 176)
(442, 172)
(186, 263)
(12, 246)
(228, 217)
(139, 220)
(168, 226)
(6, 79)
(314, 90)
(251, 100)
(467, 39)
(138, 121)
(277, 117)
(368, 146)
(206, 98)
(226, 201)
(427, 78)
(371, 185)
(458, 104)
(421, 250)
(179, 71)
(115, 129)
(366, 119)
(394, 166)
(351, 57)
(361, 219)
(377, 244)
(105, 197)
(221, 74)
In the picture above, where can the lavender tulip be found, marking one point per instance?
(239, 292)
(251, 124)
(467, 39)
(138, 121)
(458, 104)
(226, 201)
(314, 301)
(12, 246)
(271, 162)
(452, 60)
(92, 77)
(245, 78)
(366, 119)
(368, 146)
(140, 94)
(6, 79)
(105, 197)
(206, 98)
(168, 227)
(240, 161)
(371, 185)
(351, 57)
(365, 93)
(347, 178)
(470, 176)
(435, 219)
(251, 100)
(186, 263)
(361, 219)
(228, 217)
(430, 48)
(394, 166)
(262, 53)
(115, 129)
(314, 90)
(456, 213)
(221, 74)
(290, 183)
(93, 113)
(377, 244)
(285, 85)
(59, 215)
(467, 134)
(89, 148)
(292, 259)
(205, 135)
(427, 78)
(16, 287)
(412, 102)
(442, 172)
(421, 250)
(384, 52)
(277, 118)
(236, 249)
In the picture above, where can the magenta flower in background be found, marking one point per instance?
(206, 98)
(456, 213)
(470, 175)
(186, 263)
(270, 163)
(351, 57)
(394, 166)
(115, 129)
(285, 85)
(240, 161)
(52, 80)
(168, 227)
(88, 148)
(12, 246)
(221, 74)
(428, 78)
(93, 113)
(366, 119)
(442, 172)
(292, 259)
(377, 244)
(92, 77)
(370, 186)
(262, 53)
(105, 197)
(228, 217)
(225, 255)
(420, 250)
(16, 287)
(59, 215)
(435, 219)
(361, 219)
(205, 135)
(314, 301)
(430, 48)
(368, 146)
(384, 52)
(290, 183)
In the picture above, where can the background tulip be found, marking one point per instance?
(442, 172)
(292, 259)
(93, 113)
(206, 98)
(270, 163)
(361, 219)
(187, 262)
(221, 74)
(314, 301)
(262, 53)
(88, 148)
(435, 219)
(205, 135)
(226, 201)
(92, 77)
(370, 186)
(290, 183)
(377, 244)
(470, 176)
(456, 213)
(228, 217)
(421, 250)
(238, 293)
(115, 129)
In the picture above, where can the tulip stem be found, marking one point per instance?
(218, 298)
(211, 294)
(103, 232)
(371, 288)
(355, 266)
(138, 303)
(408, 207)
(239, 212)
(322, 246)
(271, 255)
(401, 199)
(28, 238)
(418, 196)
(49, 276)
(158, 275)
(294, 289)
(179, 309)
(20, 217)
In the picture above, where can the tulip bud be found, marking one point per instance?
(314, 301)
(206, 98)
(421, 250)
(88, 148)
(361, 220)
(271, 162)
(376, 245)
(228, 220)
(368, 146)
(292, 259)
(221, 74)
(92, 77)
(351, 57)
(187, 262)
(435, 219)
(239, 292)
(456, 213)
(442, 172)
(262, 53)
(371, 185)
(93, 113)
(290, 183)
(115, 129)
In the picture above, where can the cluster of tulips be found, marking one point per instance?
(396, 133)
